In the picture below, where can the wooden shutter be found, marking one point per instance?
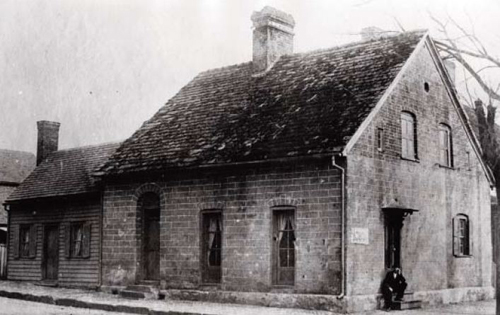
(67, 240)
(86, 240)
(15, 240)
(456, 239)
(33, 237)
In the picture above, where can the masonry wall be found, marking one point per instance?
(246, 197)
(376, 179)
(83, 272)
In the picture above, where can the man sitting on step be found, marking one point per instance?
(394, 283)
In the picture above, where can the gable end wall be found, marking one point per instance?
(375, 179)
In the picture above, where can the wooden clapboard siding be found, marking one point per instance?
(72, 271)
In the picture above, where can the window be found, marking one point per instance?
(461, 239)
(445, 146)
(284, 246)
(408, 136)
(25, 241)
(78, 240)
(212, 246)
(469, 165)
(380, 139)
(25, 244)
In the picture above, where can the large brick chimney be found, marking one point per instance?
(48, 138)
(272, 37)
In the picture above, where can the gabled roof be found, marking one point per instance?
(309, 103)
(15, 165)
(64, 172)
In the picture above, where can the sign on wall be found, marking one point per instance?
(360, 236)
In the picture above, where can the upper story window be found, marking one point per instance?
(408, 136)
(461, 237)
(445, 147)
(380, 139)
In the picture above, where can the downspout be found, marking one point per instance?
(342, 252)
(101, 233)
(7, 249)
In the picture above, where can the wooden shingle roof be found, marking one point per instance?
(65, 172)
(307, 103)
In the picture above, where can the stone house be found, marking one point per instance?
(294, 180)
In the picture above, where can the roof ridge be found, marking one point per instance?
(349, 45)
(357, 43)
(89, 146)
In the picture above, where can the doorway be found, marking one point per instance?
(50, 253)
(150, 205)
(284, 247)
(211, 247)
(393, 242)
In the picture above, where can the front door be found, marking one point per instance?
(51, 252)
(393, 242)
(151, 249)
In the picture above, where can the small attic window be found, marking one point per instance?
(426, 86)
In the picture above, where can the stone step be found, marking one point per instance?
(406, 305)
(134, 295)
(140, 292)
(140, 288)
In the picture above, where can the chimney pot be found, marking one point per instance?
(272, 37)
(372, 32)
(48, 139)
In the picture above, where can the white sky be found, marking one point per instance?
(103, 67)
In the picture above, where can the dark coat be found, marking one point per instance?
(394, 282)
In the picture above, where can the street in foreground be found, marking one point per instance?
(19, 307)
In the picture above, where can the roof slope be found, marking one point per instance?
(65, 172)
(305, 104)
(15, 165)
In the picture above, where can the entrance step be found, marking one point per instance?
(140, 292)
(409, 302)
(407, 305)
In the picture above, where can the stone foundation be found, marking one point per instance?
(332, 303)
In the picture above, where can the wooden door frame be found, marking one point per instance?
(275, 246)
(203, 249)
(45, 227)
(143, 273)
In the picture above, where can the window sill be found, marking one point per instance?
(411, 160)
(446, 167)
(463, 256)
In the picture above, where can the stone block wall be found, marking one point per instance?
(246, 197)
(377, 178)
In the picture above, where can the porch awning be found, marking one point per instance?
(398, 210)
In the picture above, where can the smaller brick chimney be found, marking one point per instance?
(272, 37)
(48, 138)
(372, 32)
